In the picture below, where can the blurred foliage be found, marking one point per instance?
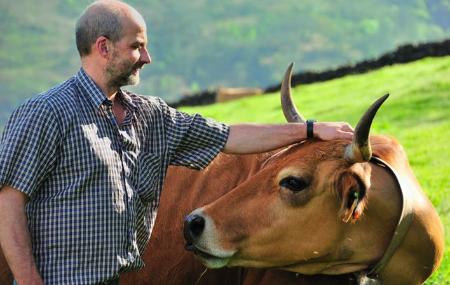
(201, 44)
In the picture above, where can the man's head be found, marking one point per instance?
(111, 37)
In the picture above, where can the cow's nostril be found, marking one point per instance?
(196, 225)
(193, 227)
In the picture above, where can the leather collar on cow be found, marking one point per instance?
(371, 275)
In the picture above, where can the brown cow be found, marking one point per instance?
(319, 207)
(167, 261)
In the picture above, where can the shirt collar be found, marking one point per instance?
(91, 90)
(97, 97)
(126, 100)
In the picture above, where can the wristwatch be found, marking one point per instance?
(310, 128)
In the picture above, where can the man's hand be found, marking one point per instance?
(15, 237)
(331, 131)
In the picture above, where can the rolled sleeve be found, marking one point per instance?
(28, 147)
(194, 141)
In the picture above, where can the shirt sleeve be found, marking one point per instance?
(194, 141)
(28, 147)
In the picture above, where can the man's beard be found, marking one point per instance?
(121, 73)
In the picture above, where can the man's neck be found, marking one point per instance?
(98, 77)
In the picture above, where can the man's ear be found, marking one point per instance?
(102, 45)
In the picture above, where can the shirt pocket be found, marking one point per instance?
(149, 174)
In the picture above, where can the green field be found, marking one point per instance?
(417, 114)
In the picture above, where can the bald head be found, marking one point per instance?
(104, 18)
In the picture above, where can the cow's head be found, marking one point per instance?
(294, 212)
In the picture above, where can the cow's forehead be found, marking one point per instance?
(309, 152)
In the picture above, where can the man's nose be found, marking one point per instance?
(145, 56)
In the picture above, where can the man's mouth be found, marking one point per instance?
(136, 68)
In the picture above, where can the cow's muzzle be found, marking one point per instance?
(201, 239)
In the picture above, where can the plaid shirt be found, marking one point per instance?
(94, 186)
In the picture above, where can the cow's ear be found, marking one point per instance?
(352, 192)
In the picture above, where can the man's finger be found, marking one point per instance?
(347, 127)
(345, 134)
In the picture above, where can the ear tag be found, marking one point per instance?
(349, 213)
(355, 214)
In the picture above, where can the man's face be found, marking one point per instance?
(128, 56)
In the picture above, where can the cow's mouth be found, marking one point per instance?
(210, 260)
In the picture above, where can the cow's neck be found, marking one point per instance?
(378, 233)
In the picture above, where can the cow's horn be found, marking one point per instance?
(360, 150)
(289, 110)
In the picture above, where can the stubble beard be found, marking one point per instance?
(120, 73)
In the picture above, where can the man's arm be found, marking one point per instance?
(15, 237)
(252, 138)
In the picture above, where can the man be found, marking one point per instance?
(82, 165)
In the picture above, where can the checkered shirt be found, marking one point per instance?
(94, 186)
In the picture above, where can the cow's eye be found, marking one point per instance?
(294, 183)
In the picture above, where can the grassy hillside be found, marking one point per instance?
(206, 43)
(417, 114)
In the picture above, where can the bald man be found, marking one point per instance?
(82, 165)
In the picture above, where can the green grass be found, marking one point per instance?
(417, 114)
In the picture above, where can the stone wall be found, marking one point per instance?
(403, 54)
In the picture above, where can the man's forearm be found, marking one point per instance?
(15, 237)
(253, 138)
